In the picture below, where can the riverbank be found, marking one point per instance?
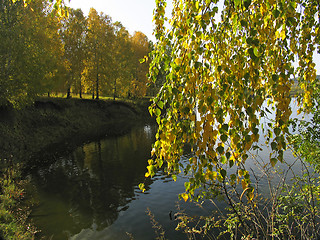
(55, 121)
(44, 127)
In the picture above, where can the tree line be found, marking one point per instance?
(46, 50)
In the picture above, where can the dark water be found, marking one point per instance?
(92, 192)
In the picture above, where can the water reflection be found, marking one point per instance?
(90, 186)
(89, 193)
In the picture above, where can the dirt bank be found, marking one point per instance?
(53, 121)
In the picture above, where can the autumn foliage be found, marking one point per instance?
(47, 49)
(224, 78)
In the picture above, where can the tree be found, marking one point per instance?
(219, 75)
(140, 45)
(11, 45)
(30, 50)
(98, 42)
(122, 61)
(73, 36)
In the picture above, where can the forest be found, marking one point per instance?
(47, 50)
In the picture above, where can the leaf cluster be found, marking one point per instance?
(225, 73)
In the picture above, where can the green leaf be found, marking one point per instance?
(186, 110)
(249, 110)
(251, 53)
(275, 77)
(255, 131)
(198, 65)
(174, 177)
(187, 185)
(273, 146)
(249, 40)
(223, 160)
(225, 127)
(175, 91)
(151, 170)
(142, 187)
(158, 112)
(223, 172)
(220, 149)
(209, 100)
(237, 2)
(233, 177)
(160, 104)
(243, 23)
(276, 13)
(151, 111)
(256, 52)
(273, 161)
(247, 4)
(231, 163)
(158, 119)
(284, 145)
(224, 138)
(142, 60)
(277, 131)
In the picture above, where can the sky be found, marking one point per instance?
(135, 15)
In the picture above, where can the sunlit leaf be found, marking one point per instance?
(184, 196)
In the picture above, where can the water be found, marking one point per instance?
(92, 192)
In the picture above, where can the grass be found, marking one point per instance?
(89, 96)
(14, 222)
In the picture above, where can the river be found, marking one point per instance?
(92, 191)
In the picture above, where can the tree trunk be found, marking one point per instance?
(92, 90)
(115, 89)
(80, 88)
(97, 82)
(69, 92)
(97, 87)
(69, 87)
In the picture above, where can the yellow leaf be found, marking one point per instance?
(250, 194)
(244, 184)
(283, 33)
(178, 61)
(185, 196)
(214, 175)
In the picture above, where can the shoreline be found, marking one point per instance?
(53, 122)
(50, 124)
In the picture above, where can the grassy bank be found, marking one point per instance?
(47, 124)
(14, 208)
(52, 121)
